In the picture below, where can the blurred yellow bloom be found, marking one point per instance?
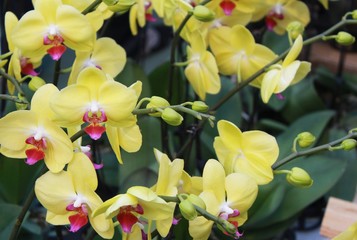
(32, 134)
(18, 64)
(289, 72)
(227, 197)
(250, 152)
(50, 27)
(169, 178)
(202, 71)
(138, 202)
(139, 14)
(349, 234)
(279, 13)
(236, 52)
(70, 198)
(106, 55)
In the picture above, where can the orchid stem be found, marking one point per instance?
(314, 150)
(13, 81)
(25, 208)
(91, 7)
(12, 98)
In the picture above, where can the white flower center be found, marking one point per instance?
(39, 134)
(78, 202)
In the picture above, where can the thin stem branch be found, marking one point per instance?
(13, 81)
(12, 98)
(91, 7)
(311, 151)
(25, 208)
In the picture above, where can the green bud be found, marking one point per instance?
(203, 13)
(157, 102)
(171, 117)
(21, 106)
(344, 38)
(35, 83)
(197, 201)
(295, 28)
(226, 226)
(305, 139)
(348, 144)
(199, 106)
(299, 178)
(110, 2)
(121, 6)
(354, 14)
(187, 210)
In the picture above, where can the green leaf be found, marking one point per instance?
(345, 188)
(313, 122)
(302, 99)
(16, 179)
(131, 73)
(9, 213)
(275, 42)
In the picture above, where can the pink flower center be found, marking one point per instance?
(227, 6)
(127, 218)
(54, 39)
(273, 16)
(37, 153)
(79, 219)
(95, 129)
(27, 67)
(226, 216)
(148, 12)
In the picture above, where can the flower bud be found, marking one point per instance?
(354, 14)
(121, 6)
(199, 106)
(195, 200)
(110, 2)
(35, 83)
(157, 102)
(295, 28)
(171, 117)
(227, 227)
(305, 139)
(299, 177)
(344, 38)
(348, 144)
(187, 210)
(203, 13)
(21, 106)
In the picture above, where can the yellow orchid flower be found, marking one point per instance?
(137, 202)
(106, 55)
(279, 13)
(227, 197)
(50, 27)
(202, 71)
(96, 100)
(169, 177)
(236, 52)
(70, 198)
(18, 64)
(128, 138)
(139, 13)
(289, 72)
(32, 134)
(250, 152)
(349, 234)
